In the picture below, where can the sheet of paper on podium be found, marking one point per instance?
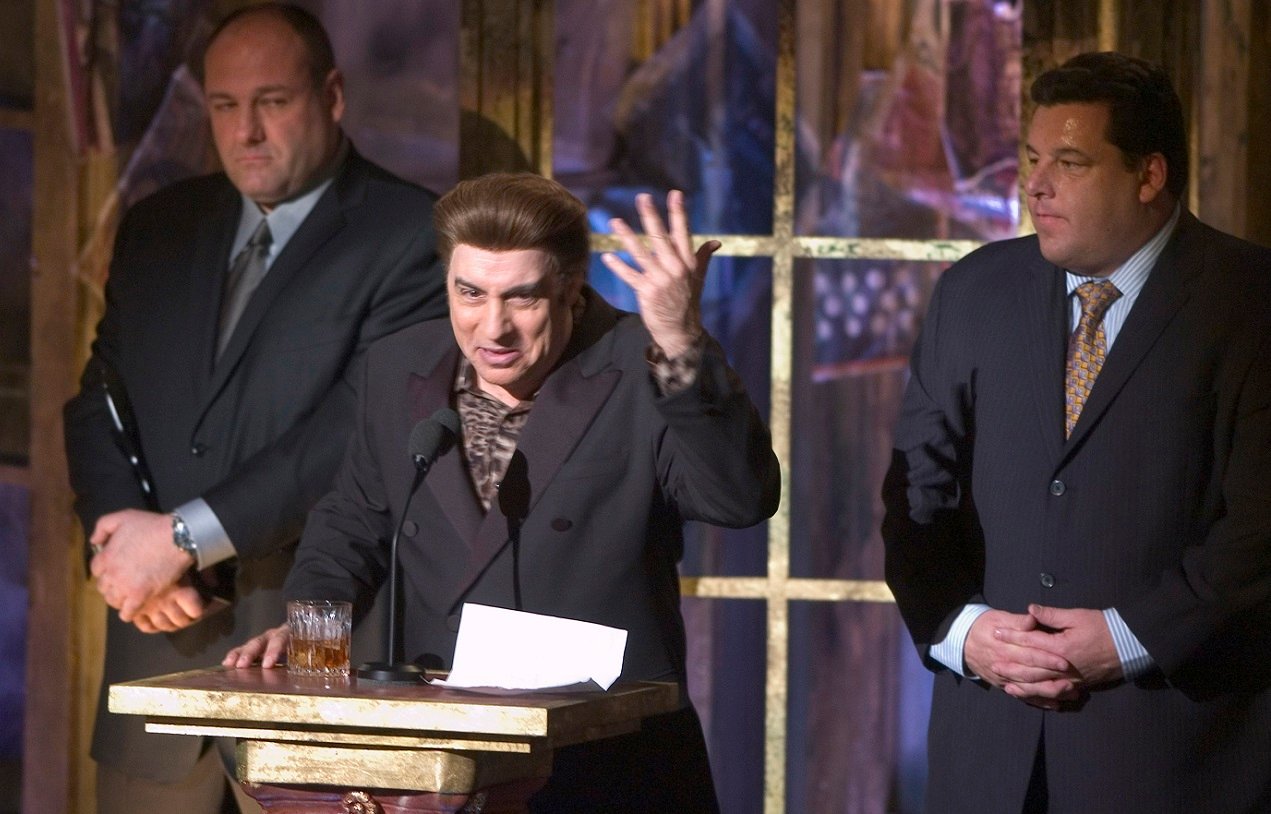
(515, 650)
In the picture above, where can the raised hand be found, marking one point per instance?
(669, 274)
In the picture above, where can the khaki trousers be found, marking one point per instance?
(201, 792)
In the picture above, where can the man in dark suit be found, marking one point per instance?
(1078, 527)
(588, 437)
(239, 308)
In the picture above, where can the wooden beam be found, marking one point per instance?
(50, 739)
(16, 119)
(1220, 115)
(505, 96)
(15, 476)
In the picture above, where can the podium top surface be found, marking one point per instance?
(272, 697)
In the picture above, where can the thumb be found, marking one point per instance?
(1048, 616)
(705, 250)
(104, 527)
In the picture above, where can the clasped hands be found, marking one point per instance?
(140, 573)
(1047, 657)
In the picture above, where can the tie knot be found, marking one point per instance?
(260, 238)
(1096, 296)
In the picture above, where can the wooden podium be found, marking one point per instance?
(339, 745)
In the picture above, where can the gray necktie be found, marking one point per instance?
(245, 273)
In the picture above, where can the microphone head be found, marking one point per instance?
(434, 436)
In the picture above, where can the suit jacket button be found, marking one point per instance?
(410, 528)
(562, 524)
(198, 449)
(452, 623)
(1047, 580)
(1057, 488)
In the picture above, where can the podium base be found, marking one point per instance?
(503, 798)
(386, 673)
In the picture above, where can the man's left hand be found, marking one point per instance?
(135, 559)
(172, 609)
(668, 282)
(1079, 635)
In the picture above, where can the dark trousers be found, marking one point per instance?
(661, 768)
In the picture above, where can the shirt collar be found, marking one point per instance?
(286, 217)
(1131, 276)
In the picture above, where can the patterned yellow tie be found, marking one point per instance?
(1087, 348)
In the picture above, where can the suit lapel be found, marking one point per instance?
(1045, 328)
(323, 223)
(1162, 296)
(563, 411)
(449, 482)
(209, 262)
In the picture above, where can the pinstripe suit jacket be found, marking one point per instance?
(1159, 505)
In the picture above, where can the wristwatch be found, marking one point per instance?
(182, 539)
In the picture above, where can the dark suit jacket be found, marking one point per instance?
(259, 434)
(1158, 506)
(611, 472)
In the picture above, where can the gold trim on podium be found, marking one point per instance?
(445, 772)
(349, 734)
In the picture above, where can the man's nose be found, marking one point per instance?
(1038, 181)
(249, 130)
(494, 318)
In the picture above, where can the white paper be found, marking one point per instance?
(515, 650)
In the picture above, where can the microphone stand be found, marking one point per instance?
(396, 670)
(429, 440)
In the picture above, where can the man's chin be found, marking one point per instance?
(263, 192)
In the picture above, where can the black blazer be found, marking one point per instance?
(1157, 505)
(611, 472)
(259, 434)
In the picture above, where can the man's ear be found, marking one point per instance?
(1153, 174)
(333, 92)
(574, 288)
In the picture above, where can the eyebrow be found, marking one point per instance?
(1062, 152)
(529, 289)
(256, 92)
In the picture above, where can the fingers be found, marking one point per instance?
(129, 607)
(246, 654)
(97, 565)
(1033, 648)
(1053, 618)
(1044, 694)
(276, 647)
(661, 250)
(678, 216)
(187, 602)
(638, 249)
(171, 611)
(143, 623)
(673, 248)
(268, 648)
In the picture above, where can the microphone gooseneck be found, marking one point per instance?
(429, 440)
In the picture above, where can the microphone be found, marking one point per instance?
(429, 440)
(432, 438)
(514, 502)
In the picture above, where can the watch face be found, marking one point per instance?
(181, 537)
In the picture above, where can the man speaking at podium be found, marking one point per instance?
(589, 436)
